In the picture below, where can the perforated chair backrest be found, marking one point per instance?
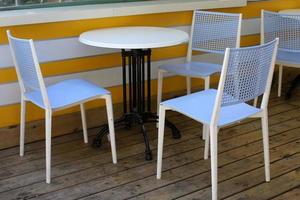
(27, 66)
(246, 74)
(286, 27)
(213, 32)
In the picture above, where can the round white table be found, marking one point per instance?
(136, 43)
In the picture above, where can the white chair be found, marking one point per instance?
(286, 27)
(246, 74)
(211, 32)
(54, 97)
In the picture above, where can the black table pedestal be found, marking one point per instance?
(293, 86)
(138, 108)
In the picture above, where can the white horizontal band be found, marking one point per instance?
(69, 48)
(67, 13)
(10, 92)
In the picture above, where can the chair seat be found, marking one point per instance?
(199, 106)
(288, 57)
(193, 69)
(67, 92)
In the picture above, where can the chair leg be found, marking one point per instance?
(205, 131)
(214, 161)
(22, 126)
(162, 114)
(48, 145)
(280, 80)
(265, 130)
(83, 118)
(111, 127)
(188, 85)
(255, 102)
(159, 88)
(206, 148)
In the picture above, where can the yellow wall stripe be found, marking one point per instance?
(12, 112)
(104, 61)
(75, 28)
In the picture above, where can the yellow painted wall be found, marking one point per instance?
(9, 115)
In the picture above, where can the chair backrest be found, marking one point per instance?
(246, 74)
(213, 32)
(286, 27)
(27, 66)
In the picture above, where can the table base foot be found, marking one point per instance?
(135, 118)
(294, 84)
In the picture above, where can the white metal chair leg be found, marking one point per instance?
(214, 161)
(111, 128)
(188, 85)
(265, 130)
(206, 148)
(159, 88)
(48, 145)
(204, 131)
(162, 114)
(255, 102)
(83, 118)
(205, 127)
(280, 80)
(22, 126)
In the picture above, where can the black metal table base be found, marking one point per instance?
(293, 86)
(128, 120)
(138, 108)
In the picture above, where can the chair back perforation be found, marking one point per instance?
(286, 27)
(214, 32)
(27, 67)
(247, 73)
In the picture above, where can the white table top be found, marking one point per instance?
(135, 37)
(291, 11)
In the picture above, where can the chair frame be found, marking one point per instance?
(189, 59)
(212, 140)
(279, 63)
(49, 111)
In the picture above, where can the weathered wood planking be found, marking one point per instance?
(291, 194)
(82, 172)
(227, 145)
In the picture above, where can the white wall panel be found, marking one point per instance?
(61, 49)
(69, 48)
(10, 92)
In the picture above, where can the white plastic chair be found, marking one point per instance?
(286, 27)
(246, 74)
(211, 32)
(54, 97)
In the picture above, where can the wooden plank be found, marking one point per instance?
(182, 180)
(89, 173)
(37, 161)
(241, 182)
(59, 159)
(90, 168)
(69, 158)
(138, 174)
(279, 184)
(134, 153)
(255, 176)
(292, 194)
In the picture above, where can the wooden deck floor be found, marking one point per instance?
(81, 172)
